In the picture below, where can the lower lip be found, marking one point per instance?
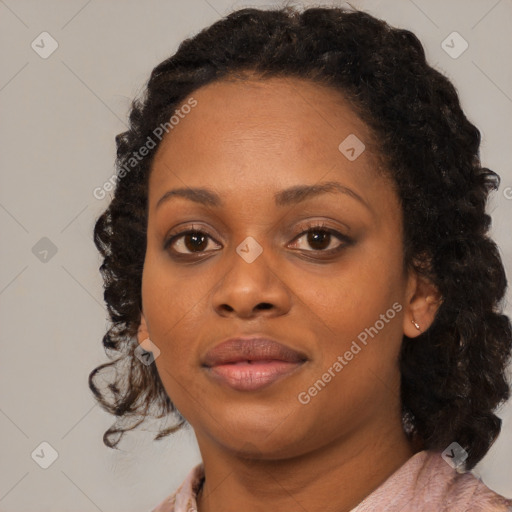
(252, 376)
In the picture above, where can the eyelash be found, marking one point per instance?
(306, 228)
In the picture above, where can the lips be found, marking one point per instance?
(237, 350)
(251, 363)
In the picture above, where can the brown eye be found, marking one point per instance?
(189, 242)
(320, 239)
(195, 242)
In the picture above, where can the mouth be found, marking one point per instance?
(250, 364)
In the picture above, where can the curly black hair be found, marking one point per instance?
(453, 375)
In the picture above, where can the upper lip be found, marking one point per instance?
(251, 348)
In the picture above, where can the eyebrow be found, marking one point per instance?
(289, 196)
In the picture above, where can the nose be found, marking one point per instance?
(251, 289)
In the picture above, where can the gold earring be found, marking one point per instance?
(416, 325)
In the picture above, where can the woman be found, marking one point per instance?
(296, 264)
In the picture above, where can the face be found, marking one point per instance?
(321, 272)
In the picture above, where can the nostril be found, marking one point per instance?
(264, 305)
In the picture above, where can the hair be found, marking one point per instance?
(453, 374)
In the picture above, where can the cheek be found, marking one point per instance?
(172, 295)
(351, 297)
(178, 313)
(170, 305)
(174, 307)
(356, 311)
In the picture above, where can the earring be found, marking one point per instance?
(416, 325)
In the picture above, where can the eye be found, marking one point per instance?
(321, 239)
(191, 241)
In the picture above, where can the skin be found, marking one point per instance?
(264, 449)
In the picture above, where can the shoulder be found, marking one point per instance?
(427, 483)
(184, 498)
(167, 505)
(455, 491)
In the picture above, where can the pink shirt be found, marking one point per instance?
(425, 483)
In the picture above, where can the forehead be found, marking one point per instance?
(264, 134)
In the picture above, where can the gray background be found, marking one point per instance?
(59, 116)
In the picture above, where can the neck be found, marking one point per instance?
(335, 477)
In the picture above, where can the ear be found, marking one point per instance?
(422, 302)
(143, 334)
